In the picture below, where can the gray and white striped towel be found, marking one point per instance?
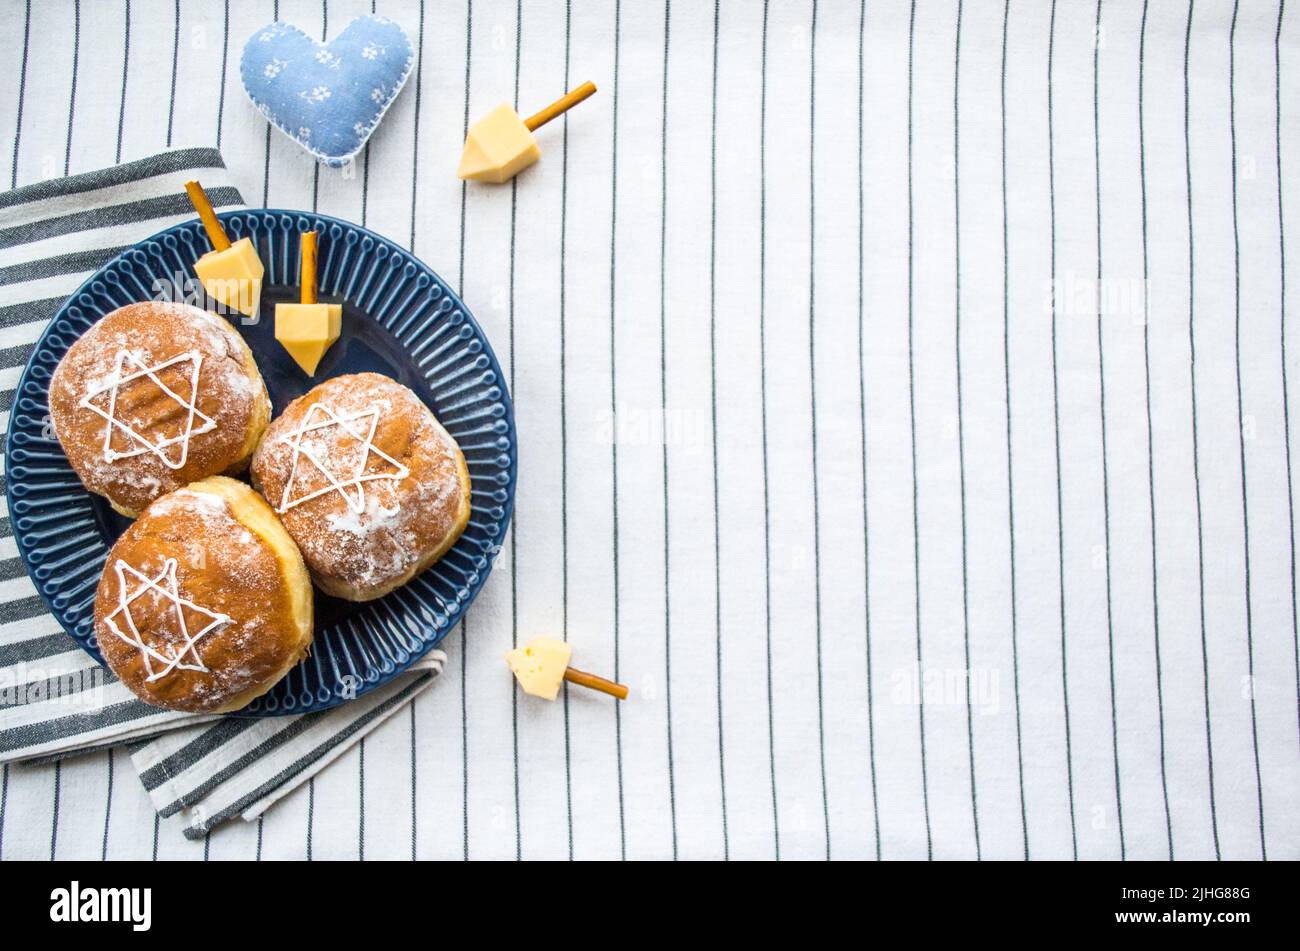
(54, 699)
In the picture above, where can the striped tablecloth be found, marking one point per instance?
(905, 406)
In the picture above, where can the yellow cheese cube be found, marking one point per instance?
(498, 147)
(539, 667)
(233, 276)
(307, 331)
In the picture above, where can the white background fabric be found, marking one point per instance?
(619, 274)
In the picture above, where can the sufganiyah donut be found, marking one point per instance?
(366, 481)
(154, 396)
(204, 603)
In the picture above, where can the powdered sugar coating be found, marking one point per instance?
(197, 538)
(404, 522)
(229, 392)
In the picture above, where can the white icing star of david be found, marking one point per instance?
(165, 585)
(142, 443)
(360, 426)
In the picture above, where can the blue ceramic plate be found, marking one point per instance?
(401, 320)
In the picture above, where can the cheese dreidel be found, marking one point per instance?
(307, 329)
(501, 145)
(543, 664)
(230, 273)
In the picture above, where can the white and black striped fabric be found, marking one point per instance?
(56, 700)
(906, 546)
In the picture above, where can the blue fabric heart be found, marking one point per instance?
(327, 97)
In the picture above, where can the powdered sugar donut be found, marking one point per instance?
(367, 482)
(204, 603)
(154, 396)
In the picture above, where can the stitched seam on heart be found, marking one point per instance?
(333, 160)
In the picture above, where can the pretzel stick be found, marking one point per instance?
(585, 679)
(560, 106)
(216, 233)
(308, 291)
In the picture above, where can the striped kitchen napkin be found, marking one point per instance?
(55, 700)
